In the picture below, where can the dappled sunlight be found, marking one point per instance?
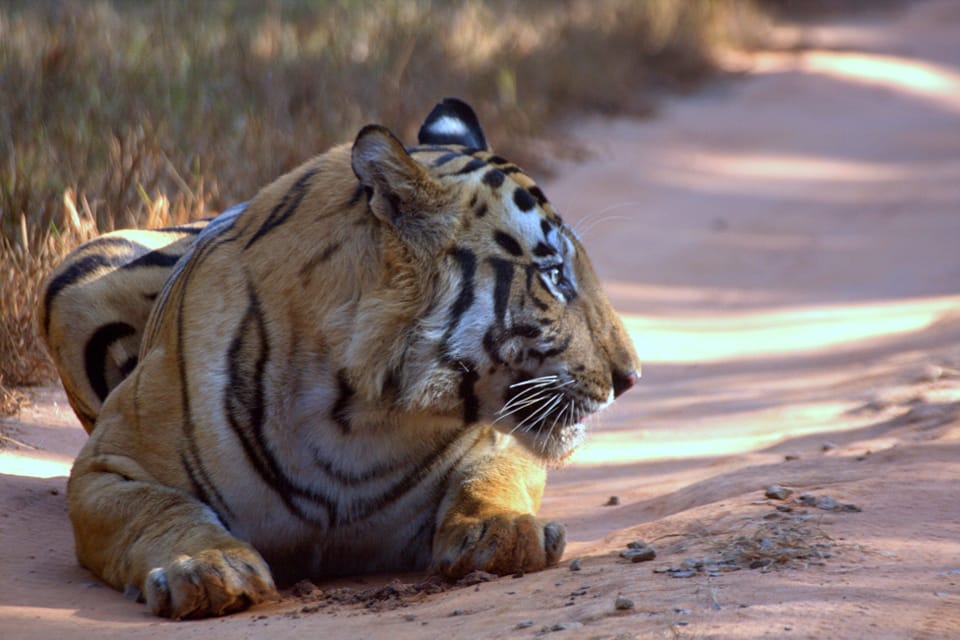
(727, 172)
(932, 82)
(34, 465)
(762, 334)
(717, 436)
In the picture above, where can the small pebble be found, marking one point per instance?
(826, 503)
(526, 624)
(457, 612)
(777, 492)
(639, 555)
(623, 604)
(612, 501)
(807, 499)
(637, 544)
(791, 456)
(828, 446)
(785, 508)
(564, 626)
(576, 564)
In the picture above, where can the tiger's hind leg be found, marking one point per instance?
(148, 536)
(489, 524)
(160, 543)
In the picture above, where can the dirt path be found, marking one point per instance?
(786, 249)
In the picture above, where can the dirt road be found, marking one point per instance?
(786, 250)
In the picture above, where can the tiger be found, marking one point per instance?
(366, 368)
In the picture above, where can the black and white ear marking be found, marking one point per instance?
(452, 122)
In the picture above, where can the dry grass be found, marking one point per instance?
(117, 114)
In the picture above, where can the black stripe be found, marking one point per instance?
(471, 403)
(152, 259)
(204, 487)
(525, 331)
(188, 230)
(543, 250)
(445, 158)
(86, 265)
(537, 193)
(552, 352)
(470, 167)
(95, 354)
(285, 208)
(468, 268)
(201, 492)
(491, 342)
(340, 412)
(503, 279)
(508, 243)
(244, 406)
(364, 508)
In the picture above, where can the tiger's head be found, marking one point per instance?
(502, 318)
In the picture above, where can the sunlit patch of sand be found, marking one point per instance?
(773, 333)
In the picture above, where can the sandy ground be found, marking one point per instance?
(786, 250)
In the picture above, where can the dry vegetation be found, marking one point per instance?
(116, 114)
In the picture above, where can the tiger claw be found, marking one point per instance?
(502, 544)
(211, 583)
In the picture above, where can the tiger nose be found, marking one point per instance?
(623, 381)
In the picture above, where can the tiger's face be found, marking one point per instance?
(547, 348)
(523, 335)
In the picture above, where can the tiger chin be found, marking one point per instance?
(365, 368)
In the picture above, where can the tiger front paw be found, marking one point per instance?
(210, 583)
(501, 544)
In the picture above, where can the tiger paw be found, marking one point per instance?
(210, 583)
(502, 544)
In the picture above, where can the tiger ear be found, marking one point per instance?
(401, 191)
(453, 122)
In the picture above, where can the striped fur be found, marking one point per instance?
(365, 369)
(94, 306)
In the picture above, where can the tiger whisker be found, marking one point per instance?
(535, 417)
(544, 380)
(523, 400)
(527, 397)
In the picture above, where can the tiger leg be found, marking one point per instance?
(160, 543)
(490, 525)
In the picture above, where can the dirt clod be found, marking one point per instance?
(776, 492)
